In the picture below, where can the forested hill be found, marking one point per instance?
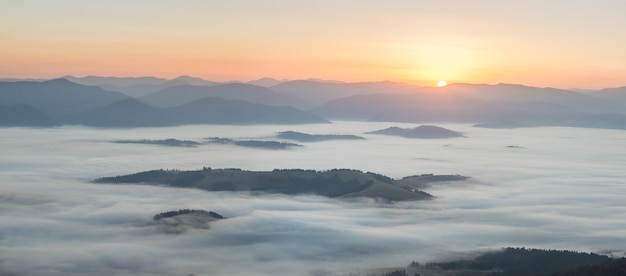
(331, 183)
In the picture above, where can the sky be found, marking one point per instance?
(558, 43)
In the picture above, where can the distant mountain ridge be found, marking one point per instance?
(479, 104)
(183, 94)
(57, 97)
(66, 102)
(137, 86)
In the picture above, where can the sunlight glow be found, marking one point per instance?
(441, 83)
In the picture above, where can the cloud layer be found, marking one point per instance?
(561, 189)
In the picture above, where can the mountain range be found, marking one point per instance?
(150, 101)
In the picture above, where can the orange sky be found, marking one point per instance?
(558, 43)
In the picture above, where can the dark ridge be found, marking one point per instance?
(612, 267)
(520, 262)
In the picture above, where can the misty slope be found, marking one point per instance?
(212, 110)
(24, 115)
(139, 86)
(266, 82)
(520, 94)
(418, 107)
(332, 183)
(615, 95)
(178, 95)
(57, 97)
(313, 93)
(125, 113)
(539, 107)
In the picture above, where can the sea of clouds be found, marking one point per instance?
(556, 188)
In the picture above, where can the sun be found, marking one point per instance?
(441, 83)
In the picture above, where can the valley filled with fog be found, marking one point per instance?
(547, 187)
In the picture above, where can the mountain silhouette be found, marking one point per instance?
(58, 97)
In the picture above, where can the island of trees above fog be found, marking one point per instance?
(305, 137)
(264, 144)
(151, 102)
(335, 183)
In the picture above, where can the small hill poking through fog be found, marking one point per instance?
(420, 132)
(178, 222)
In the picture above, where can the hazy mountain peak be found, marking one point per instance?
(267, 82)
(59, 81)
(192, 80)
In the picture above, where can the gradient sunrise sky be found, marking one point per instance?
(556, 43)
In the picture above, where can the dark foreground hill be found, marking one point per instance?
(516, 262)
(612, 267)
(521, 261)
(336, 183)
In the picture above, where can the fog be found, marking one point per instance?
(557, 188)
